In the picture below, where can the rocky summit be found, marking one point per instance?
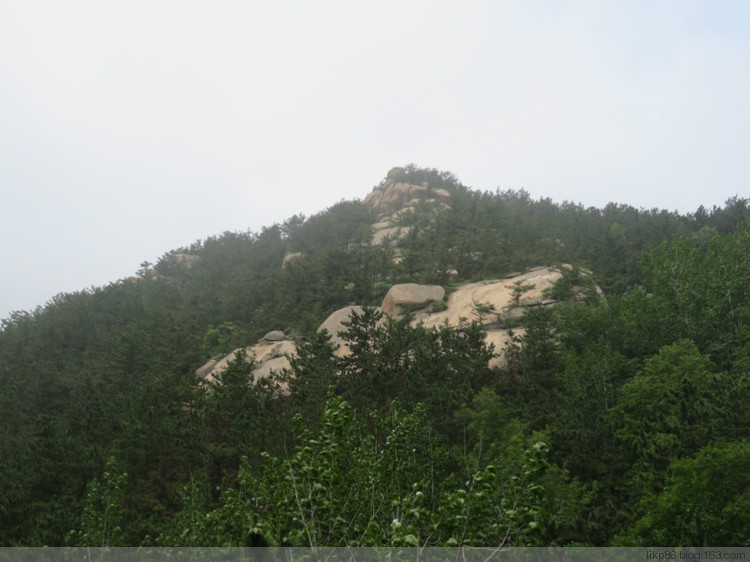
(496, 304)
(394, 198)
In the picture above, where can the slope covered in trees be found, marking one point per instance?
(609, 418)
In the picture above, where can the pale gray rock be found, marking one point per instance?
(275, 335)
(289, 257)
(396, 174)
(492, 301)
(408, 297)
(501, 339)
(270, 357)
(393, 233)
(334, 324)
(395, 193)
(203, 371)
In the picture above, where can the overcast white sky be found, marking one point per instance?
(129, 128)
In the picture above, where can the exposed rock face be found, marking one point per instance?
(269, 357)
(334, 324)
(488, 302)
(395, 197)
(495, 302)
(204, 370)
(383, 230)
(271, 366)
(500, 339)
(491, 303)
(396, 174)
(409, 297)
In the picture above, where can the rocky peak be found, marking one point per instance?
(396, 196)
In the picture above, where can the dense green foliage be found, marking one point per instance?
(616, 420)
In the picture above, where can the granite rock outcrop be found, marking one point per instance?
(493, 303)
(395, 197)
(270, 355)
(408, 297)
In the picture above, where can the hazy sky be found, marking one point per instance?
(129, 128)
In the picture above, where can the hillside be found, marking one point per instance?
(431, 365)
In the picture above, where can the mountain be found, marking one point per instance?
(431, 365)
(496, 304)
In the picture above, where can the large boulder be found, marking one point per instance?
(334, 324)
(408, 297)
(274, 335)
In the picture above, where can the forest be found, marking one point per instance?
(619, 419)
